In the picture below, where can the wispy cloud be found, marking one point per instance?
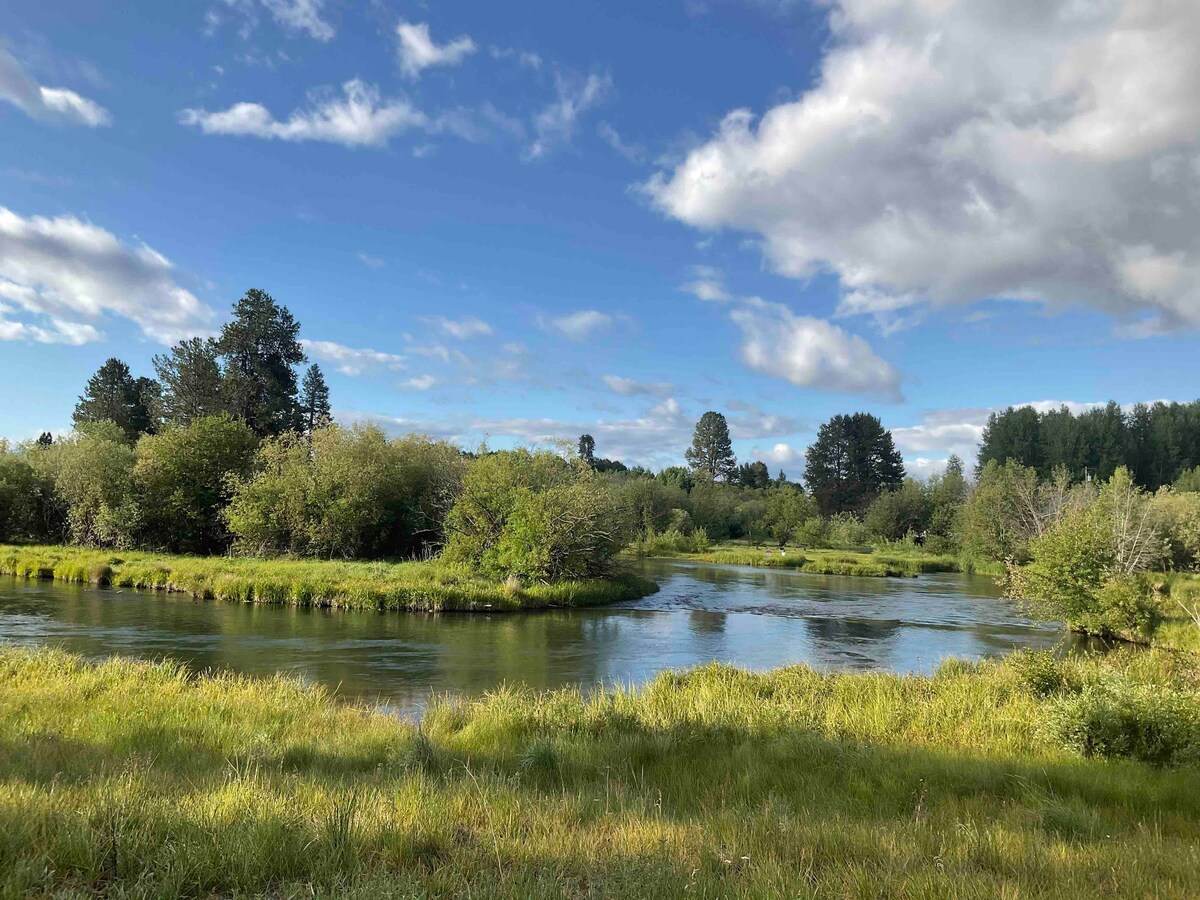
(353, 360)
(52, 104)
(417, 51)
(630, 387)
(557, 123)
(576, 326)
(462, 329)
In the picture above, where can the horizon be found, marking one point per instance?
(607, 220)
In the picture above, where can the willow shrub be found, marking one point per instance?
(535, 515)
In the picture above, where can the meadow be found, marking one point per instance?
(1029, 777)
(430, 585)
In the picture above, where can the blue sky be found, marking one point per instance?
(520, 223)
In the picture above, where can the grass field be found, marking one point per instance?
(140, 780)
(346, 585)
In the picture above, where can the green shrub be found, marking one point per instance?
(1116, 717)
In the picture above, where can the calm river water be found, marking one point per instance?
(747, 617)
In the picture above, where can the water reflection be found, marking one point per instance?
(752, 618)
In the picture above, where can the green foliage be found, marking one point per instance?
(314, 400)
(114, 395)
(671, 542)
(900, 512)
(676, 476)
(852, 460)
(1085, 569)
(845, 531)
(1177, 514)
(1115, 717)
(259, 347)
(92, 473)
(787, 509)
(711, 453)
(753, 475)
(947, 492)
(1157, 443)
(183, 477)
(535, 515)
(344, 492)
(1188, 481)
(29, 507)
(190, 375)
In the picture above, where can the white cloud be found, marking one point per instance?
(420, 383)
(353, 360)
(952, 152)
(418, 52)
(301, 15)
(51, 104)
(780, 454)
(371, 262)
(556, 125)
(295, 16)
(359, 118)
(707, 284)
(576, 326)
(70, 274)
(525, 58)
(462, 329)
(810, 352)
(630, 387)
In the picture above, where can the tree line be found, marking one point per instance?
(1156, 442)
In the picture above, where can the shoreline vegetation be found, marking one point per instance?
(1030, 777)
(433, 586)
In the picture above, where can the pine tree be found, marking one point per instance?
(314, 399)
(260, 347)
(852, 460)
(587, 450)
(711, 453)
(190, 375)
(114, 395)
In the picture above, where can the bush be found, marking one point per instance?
(92, 472)
(537, 516)
(345, 492)
(844, 531)
(896, 513)
(1117, 718)
(1178, 515)
(670, 542)
(183, 476)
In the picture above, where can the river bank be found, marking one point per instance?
(146, 780)
(412, 586)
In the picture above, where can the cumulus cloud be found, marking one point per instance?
(353, 360)
(630, 387)
(1042, 151)
(68, 274)
(46, 103)
(576, 326)
(462, 329)
(358, 118)
(417, 51)
(556, 125)
(810, 352)
(781, 454)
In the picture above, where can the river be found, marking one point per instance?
(753, 618)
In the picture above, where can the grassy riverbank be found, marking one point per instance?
(413, 586)
(141, 780)
(872, 564)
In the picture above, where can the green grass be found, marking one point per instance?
(133, 779)
(414, 586)
(828, 562)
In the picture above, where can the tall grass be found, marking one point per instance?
(829, 562)
(429, 585)
(142, 780)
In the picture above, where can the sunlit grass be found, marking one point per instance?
(141, 780)
(431, 585)
(827, 562)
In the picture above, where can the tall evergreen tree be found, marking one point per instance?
(260, 348)
(114, 395)
(314, 400)
(1012, 434)
(711, 453)
(754, 475)
(190, 375)
(851, 461)
(587, 450)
